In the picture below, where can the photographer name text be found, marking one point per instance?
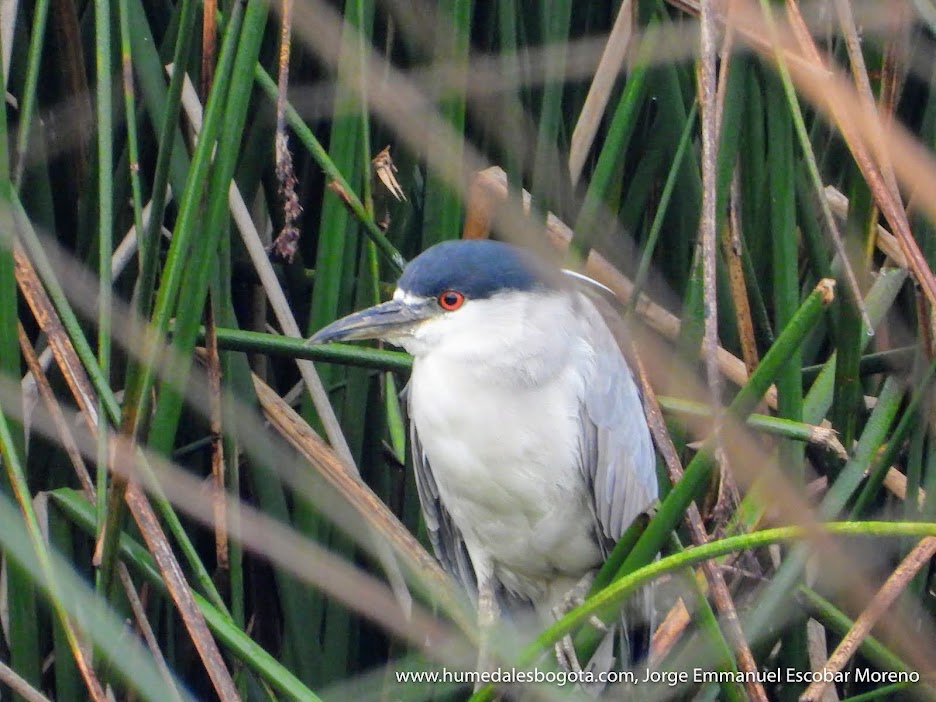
(772, 675)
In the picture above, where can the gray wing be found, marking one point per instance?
(617, 452)
(446, 539)
(618, 463)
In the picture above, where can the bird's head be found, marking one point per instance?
(468, 297)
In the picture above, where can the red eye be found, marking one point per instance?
(450, 300)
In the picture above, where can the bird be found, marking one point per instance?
(531, 450)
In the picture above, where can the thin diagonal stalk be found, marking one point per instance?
(612, 59)
(883, 599)
(19, 685)
(17, 477)
(65, 438)
(619, 134)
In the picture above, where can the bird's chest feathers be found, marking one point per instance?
(504, 455)
(479, 433)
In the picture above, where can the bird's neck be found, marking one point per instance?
(501, 366)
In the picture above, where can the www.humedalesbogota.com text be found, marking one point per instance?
(514, 676)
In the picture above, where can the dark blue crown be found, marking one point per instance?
(477, 268)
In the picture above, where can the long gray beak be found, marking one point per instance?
(387, 320)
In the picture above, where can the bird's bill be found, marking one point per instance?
(387, 320)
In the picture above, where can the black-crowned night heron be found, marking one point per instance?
(529, 441)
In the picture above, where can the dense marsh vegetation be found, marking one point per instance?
(762, 173)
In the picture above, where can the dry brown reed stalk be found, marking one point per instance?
(918, 557)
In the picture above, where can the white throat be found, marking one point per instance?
(520, 336)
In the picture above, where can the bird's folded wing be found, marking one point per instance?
(617, 453)
(445, 537)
